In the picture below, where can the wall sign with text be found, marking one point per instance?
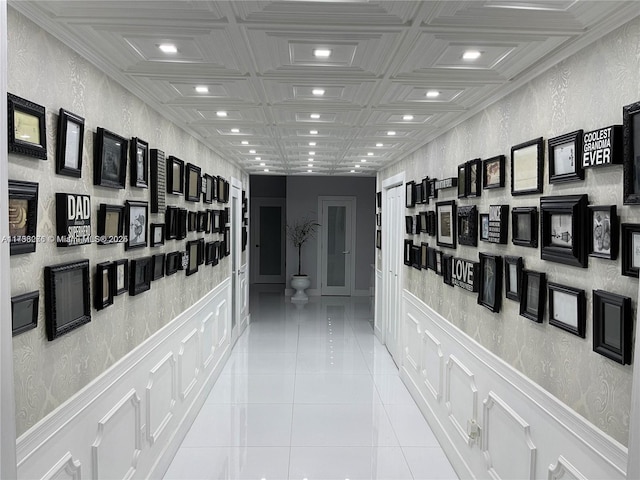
(602, 147)
(498, 223)
(73, 219)
(463, 274)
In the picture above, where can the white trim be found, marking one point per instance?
(633, 468)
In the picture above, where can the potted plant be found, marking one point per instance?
(298, 233)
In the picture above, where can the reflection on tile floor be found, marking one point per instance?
(309, 393)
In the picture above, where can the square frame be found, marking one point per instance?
(172, 263)
(527, 165)
(468, 225)
(631, 154)
(103, 290)
(137, 233)
(630, 249)
(69, 144)
(513, 265)
(120, 276)
(140, 271)
(23, 321)
(157, 266)
(109, 159)
(175, 175)
(493, 172)
(490, 281)
(446, 220)
(572, 320)
(23, 219)
(139, 155)
(564, 242)
(565, 157)
(192, 183)
(605, 231)
(612, 326)
(524, 226)
(533, 295)
(157, 234)
(106, 233)
(21, 114)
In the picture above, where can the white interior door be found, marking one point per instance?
(392, 261)
(268, 240)
(337, 246)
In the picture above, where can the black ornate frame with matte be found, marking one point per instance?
(408, 244)
(175, 175)
(605, 230)
(490, 282)
(157, 271)
(172, 262)
(409, 195)
(446, 220)
(70, 138)
(192, 183)
(24, 312)
(631, 155)
(137, 214)
(513, 277)
(192, 252)
(27, 127)
(157, 234)
(567, 308)
(565, 157)
(493, 172)
(158, 169)
(111, 220)
(139, 160)
(612, 326)
(527, 164)
(23, 216)
(524, 226)
(109, 159)
(208, 188)
(564, 220)
(67, 297)
(533, 297)
(103, 291)
(630, 249)
(120, 276)
(141, 271)
(468, 225)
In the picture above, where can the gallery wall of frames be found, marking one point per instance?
(522, 228)
(119, 220)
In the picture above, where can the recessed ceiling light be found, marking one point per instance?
(315, 116)
(262, 164)
(252, 151)
(357, 166)
(312, 153)
(318, 91)
(310, 171)
(235, 130)
(310, 159)
(202, 89)
(310, 165)
(266, 169)
(258, 158)
(433, 94)
(312, 144)
(322, 53)
(363, 160)
(168, 48)
(352, 171)
(379, 145)
(221, 113)
(244, 142)
(391, 133)
(407, 117)
(370, 154)
(313, 132)
(471, 55)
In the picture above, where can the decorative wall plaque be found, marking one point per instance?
(158, 181)
(463, 274)
(498, 223)
(73, 219)
(602, 147)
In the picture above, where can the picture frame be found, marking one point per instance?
(23, 216)
(408, 245)
(120, 282)
(192, 183)
(73, 219)
(139, 155)
(631, 153)
(192, 255)
(157, 269)
(447, 272)
(490, 282)
(431, 223)
(172, 263)
(513, 267)
(111, 219)
(415, 257)
(137, 213)
(140, 270)
(203, 221)
(567, 308)
(424, 222)
(533, 295)
(157, 234)
(564, 220)
(192, 221)
(67, 296)
(221, 189)
(201, 252)
(227, 241)
(410, 200)
(493, 172)
(217, 246)
(181, 224)
(468, 225)
(175, 175)
(379, 219)
(379, 239)
(527, 164)
(69, 144)
(484, 226)
(417, 226)
(424, 255)
(565, 157)
(209, 249)
(474, 178)
(462, 180)
(207, 188)
(418, 192)
(433, 191)
(27, 127)
(215, 221)
(24, 312)
(612, 326)
(171, 223)
(524, 226)
(379, 199)
(426, 193)
(109, 159)
(630, 249)
(158, 180)
(605, 230)
(431, 258)
(446, 220)
(103, 291)
(498, 224)
(438, 256)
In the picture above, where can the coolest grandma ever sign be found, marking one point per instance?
(602, 147)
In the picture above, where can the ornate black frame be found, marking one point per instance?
(409, 194)
(576, 138)
(19, 190)
(408, 244)
(190, 170)
(468, 215)
(64, 118)
(172, 263)
(631, 180)
(481, 217)
(576, 206)
(601, 299)
(628, 230)
(157, 260)
(158, 172)
(137, 204)
(192, 249)
(540, 166)
(39, 150)
(152, 236)
(532, 214)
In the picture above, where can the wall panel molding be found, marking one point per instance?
(432, 364)
(563, 470)
(461, 396)
(66, 469)
(161, 396)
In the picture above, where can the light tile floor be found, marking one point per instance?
(309, 393)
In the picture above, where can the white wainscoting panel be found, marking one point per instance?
(131, 420)
(494, 422)
(377, 315)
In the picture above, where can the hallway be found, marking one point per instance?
(309, 393)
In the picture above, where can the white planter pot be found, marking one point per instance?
(300, 283)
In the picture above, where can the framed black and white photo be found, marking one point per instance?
(418, 192)
(172, 262)
(533, 297)
(27, 127)
(24, 312)
(158, 169)
(567, 308)
(490, 286)
(67, 297)
(69, 143)
(109, 159)
(192, 221)
(379, 219)
(408, 244)
(631, 153)
(141, 270)
(424, 222)
(192, 255)
(604, 231)
(139, 155)
(474, 177)
(416, 261)
(409, 196)
(446, 224)
(120, 282)
(468, 225)
(424, 252)
(201, 252)
(462, 180)
(408, 224)
(181, 224)
(564, 220)
(170, 223)
(111, 220)
(513, 276)
(378, 239)
(630, 249)
(157, 266)
(426, 193)
(23, 216)
(612, 326)
(493, 172)
(565, 157)
(379, 199)
(484, 227)
(193, 183)
(103, 291)
(447, 273)
(137, 214)
(208, 187)
(524, 226)
(527, 163)
(175, 176)
(157, 234)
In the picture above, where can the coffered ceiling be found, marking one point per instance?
(395, 77)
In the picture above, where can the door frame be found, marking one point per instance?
(235, 212)
(352, 261)
(254, 237)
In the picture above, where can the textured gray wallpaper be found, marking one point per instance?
(43, 70)
(587, 91)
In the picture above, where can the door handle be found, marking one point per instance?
(347, 252)
(257, 246)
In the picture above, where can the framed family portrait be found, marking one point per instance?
(446, 224)
(137, 214)
(175, 175)
(69, 142)
(158, 172)
(139, 154)
(157, 262)
(612, 326)
(630, 249)
(409, 196)
(493, 172)
(111, 220)
(631, 153)
(484, 227)
(103, 291)
(524, 226)
(193, 183)
(513, 277)
(567, 308)
(109, 159)
(490, 286)
(67, 297)
(468, 225)
(565, 157)
(120, 282)
(533, 297)
(23, 216)
(563, 220)
(27, 127)
(192, 255)
(157, 234)
(527, 163)
(604, 231)
(24, 312)
(408, 245)
(141, 271)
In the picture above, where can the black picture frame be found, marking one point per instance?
(379, 239)
(483, 227)
(157, 270)
(446, 220)
(227, 241)
(631, 153)
(438, 258)
(192, 183)
(567, 308)
(408, 224)
(564, 220)
(175, 175)
(432, 228)
(209, 249)
(208, 188)
(605, 230)
(120, 276)
(433, 191)
(139, 161)
(192, 254)
(424, 255)
(111, 220)
(474, 178)
(416, 261)
(192, 221)
(493, 172)
(468, 225)
(217, 246)
(527, 165)
(24, 312)
(565, 157)
(221, 189)
(498, 224)
(172, 263)
(524, 226)
(447, 271)
(418, 192)
(157, 235)
(201, 251)
(490, 281)
(27, 127)
(158, 169)
(23, 216)
(379, 219)
(409, 194)
(109, 159)
(462, 180)
(408, 244)
(215, 221)
(630, 249)
(424, 222)
(137, 214)
(379, 199)
(533, 295)
(203, 222)
(431, 258)
(67, 296)
(171, 223)
(69, 144)
(140, 270)
(103, 290)
(612, 326)
(513, 267)
(181, 224)
(426, 190)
